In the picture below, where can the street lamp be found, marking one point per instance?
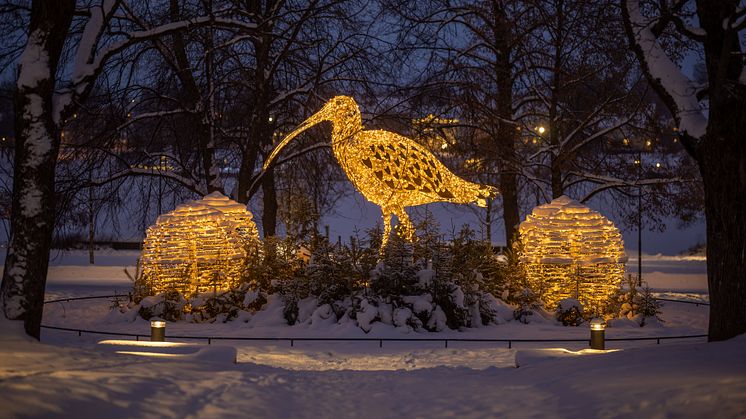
(639, 218)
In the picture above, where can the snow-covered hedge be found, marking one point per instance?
(431, 285)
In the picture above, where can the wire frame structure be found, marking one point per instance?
(572, 251)
(389, 170)
(198, 247)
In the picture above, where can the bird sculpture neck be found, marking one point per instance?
(346, 124)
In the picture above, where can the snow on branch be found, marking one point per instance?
(89, 62)
(681, 91)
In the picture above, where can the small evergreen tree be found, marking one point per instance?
(647, 305)
(569, 312)
(528, 303)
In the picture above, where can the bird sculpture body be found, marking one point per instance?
(390, 170)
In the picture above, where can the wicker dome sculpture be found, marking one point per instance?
(570, 250)
(200, 246)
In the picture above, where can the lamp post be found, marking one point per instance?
(157, 331)
(639, 220)
(598, 332)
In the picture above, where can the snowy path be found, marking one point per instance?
(684, 380)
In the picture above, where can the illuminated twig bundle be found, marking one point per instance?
(199, 246)
(572, 251)
(390, 170)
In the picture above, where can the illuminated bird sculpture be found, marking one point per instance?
(390, 170)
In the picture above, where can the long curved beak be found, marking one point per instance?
(308, 123)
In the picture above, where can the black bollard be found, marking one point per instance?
(598, 334)
(157, 331)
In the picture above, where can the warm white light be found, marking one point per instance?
(271, 119)
(598, 324)
(200, 246)
(571, 251)
(389, 170)
(157, 324)
(541, 130)
(658, 165)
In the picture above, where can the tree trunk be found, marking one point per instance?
(269, 214)
(246, 172)
(722, 162)
(721, 156)
(506, 132)
(36, 149)
(724, 176)
(511, 215)
(556, 178)
(205, 125)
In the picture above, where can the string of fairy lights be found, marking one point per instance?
(389, 170)
(200, 246)
(571, 251)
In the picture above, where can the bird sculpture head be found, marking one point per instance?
(341, 110)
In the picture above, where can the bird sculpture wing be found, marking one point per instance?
(402, 164)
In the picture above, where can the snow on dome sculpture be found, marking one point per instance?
(570, 250)
(199, 246)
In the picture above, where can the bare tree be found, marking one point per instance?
(711, 123)
(473, 51)
(43, 102)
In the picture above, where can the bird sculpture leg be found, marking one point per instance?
(406, 229)
(386, 229)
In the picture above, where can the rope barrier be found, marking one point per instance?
(380, 341)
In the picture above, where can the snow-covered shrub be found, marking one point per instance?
(209, 306)
(254, 300)
(569, 312)
(168, 306)
(330, 273)
(437, 321)
(396, 274)
(365, 314)
(279, 263)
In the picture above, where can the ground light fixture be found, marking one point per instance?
(157, 331)
(598, 334)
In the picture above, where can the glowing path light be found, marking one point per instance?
(572, 251)
(388, 169)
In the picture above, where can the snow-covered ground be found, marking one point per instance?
(691, 379)
(72, 376)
